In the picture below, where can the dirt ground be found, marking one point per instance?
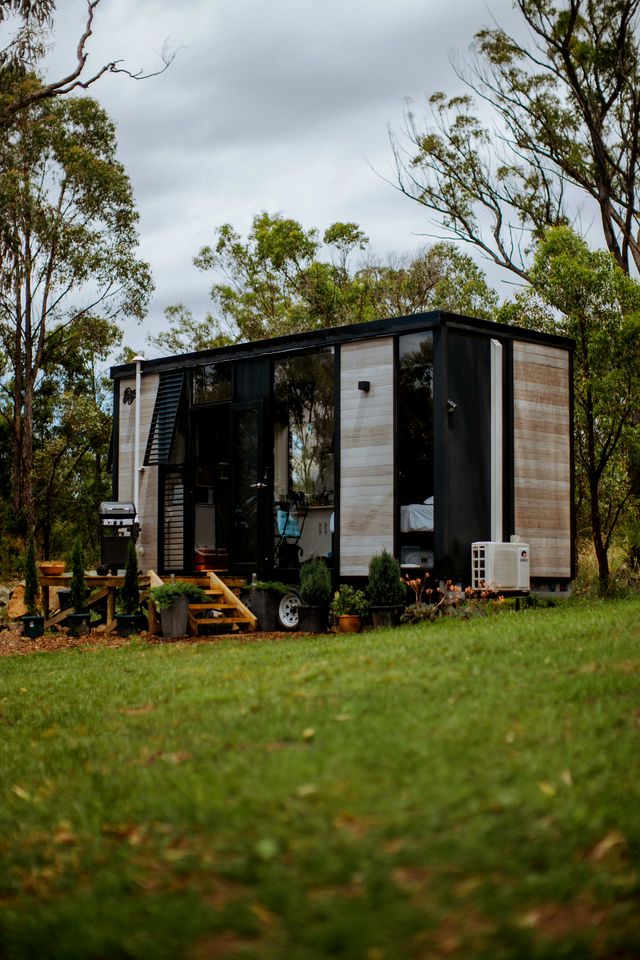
(12, 642)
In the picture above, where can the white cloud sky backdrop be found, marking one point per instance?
(279, 106)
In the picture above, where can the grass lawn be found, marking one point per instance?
(459, 789)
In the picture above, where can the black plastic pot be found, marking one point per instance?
(32, 626)
(385, 616)
(313, 619)
(64, 598)
(79, 623)
(129, 623)
(264, 603)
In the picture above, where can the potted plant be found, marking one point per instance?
(79, 619)
(32, 621)
(315, 594)
(129, 618)
(172, 603)
(387, 591)
(349, 606)
(275, 604)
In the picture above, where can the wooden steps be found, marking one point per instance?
(223, 608)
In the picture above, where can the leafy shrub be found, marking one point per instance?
(347, 601)
(315, 583)
(79, 588)
(130, 592)
(272, 586)
(166, 595)
(386, 587)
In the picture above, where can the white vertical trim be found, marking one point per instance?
(496, 441)
(136, 442)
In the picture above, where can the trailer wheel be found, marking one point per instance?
(288, 610)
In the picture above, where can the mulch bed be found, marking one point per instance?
(12, 642)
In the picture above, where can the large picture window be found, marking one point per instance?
(415, 417)
(415, 448)
(304, 416)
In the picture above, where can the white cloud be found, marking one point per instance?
(279, 106)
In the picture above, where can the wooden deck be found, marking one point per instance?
(223, 608)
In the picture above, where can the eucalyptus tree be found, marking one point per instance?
(283, 278)
(548, 134)
(23, 50)
(72, 432)
(585, 294)
(68, 239)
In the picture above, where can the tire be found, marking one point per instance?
(287, 614)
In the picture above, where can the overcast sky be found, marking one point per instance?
(279, 106)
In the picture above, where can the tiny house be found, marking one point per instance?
(421, 434)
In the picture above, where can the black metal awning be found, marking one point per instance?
(163, 421)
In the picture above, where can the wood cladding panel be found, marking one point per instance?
(148, 506)
(366, 453)
(542, 456)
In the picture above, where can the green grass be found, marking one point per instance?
(459, 789)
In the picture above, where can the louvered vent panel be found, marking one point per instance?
(163, 421)
(173, 522)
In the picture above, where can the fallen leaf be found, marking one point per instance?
(394, 845)
(306, 790)
(547, 788)
(20, 792)
(410, 879)
(64, 836)
(134, 711)
(264, 916)
(172, 854)
(174, 758)
(606, 845)
(343, 717)
(529, 920)
(356, 826)
(566, 778)
(308, 734)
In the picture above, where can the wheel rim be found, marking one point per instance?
(288, 610)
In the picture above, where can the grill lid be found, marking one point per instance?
(117, 510)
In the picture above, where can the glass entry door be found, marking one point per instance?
(249, 492)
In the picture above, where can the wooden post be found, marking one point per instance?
(154, 627)
(111, 605)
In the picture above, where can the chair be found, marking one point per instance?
(289, 523)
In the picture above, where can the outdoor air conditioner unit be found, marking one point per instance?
(500, 566)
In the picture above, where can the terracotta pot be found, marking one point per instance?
(348, 623)
(51, 568)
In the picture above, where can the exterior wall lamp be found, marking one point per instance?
(364, 385)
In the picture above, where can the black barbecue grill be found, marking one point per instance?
(118, 529)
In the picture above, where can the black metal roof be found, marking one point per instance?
(334, 335)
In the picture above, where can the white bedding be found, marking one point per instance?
(417, 516)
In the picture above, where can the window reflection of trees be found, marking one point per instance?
(415, 418)
(304, 406)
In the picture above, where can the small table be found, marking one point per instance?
(106, 586)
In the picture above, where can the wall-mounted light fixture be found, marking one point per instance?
(451, 406)
(364, 385)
